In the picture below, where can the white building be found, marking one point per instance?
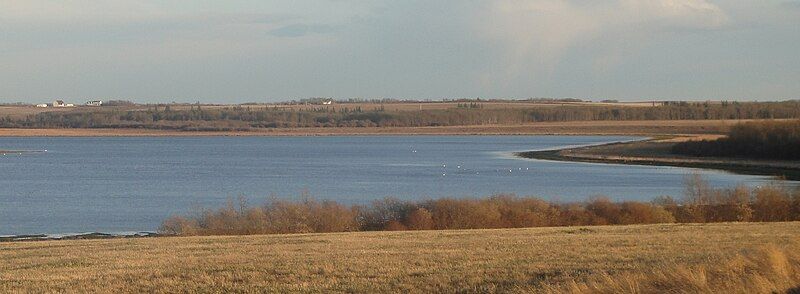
(94, 103)
(43, 105)
(60, 103)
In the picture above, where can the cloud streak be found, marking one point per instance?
(539, 33)
(235, 51)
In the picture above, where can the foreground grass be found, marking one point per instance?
(573, 258)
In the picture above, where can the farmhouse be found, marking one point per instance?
(60, 103)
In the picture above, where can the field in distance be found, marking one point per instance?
(648, 128)
(537, 259)
(24, 110)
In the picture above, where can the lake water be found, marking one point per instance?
(132, 184)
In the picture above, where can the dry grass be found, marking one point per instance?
(642, 258)
(768, 269)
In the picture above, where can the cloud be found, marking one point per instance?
(790, 4)
(299, 30)
(411, 48)
(536, 34)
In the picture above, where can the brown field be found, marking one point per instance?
(646, 128)
(22, 111)
(704, 258)
(415, 106)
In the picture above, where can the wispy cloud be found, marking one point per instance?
(790, 4)
(536, 34)
(299, 30)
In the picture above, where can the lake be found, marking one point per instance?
(128, 184)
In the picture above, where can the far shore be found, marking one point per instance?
(633, 128)
(657, 151)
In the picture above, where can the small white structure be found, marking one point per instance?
(94, 103)
(329, 102)
(60, 103)
(43, 105)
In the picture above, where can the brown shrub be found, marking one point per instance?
(576, 214)
(420, 219)
(606, 211)
(330, 216)
(771, 204)
(702, 203)
(518, 212)
(178, 225)
(394, 225)
(643, 213)
(451, 213)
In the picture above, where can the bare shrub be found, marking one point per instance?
(451, 213)
(178, 225)
(606, 211)
(771, 204)
(643, 213)
(702, 203)
(420, 219)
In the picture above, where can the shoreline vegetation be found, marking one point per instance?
(634, 128)
(657, 153)
(700, 204)
(753, 147)
(777, 140)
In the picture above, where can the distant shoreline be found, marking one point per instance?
(633, 128)
(655, 152)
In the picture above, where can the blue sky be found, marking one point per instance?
(243, 51)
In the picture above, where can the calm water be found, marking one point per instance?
(131, 184)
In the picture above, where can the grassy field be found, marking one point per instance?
(606, 259)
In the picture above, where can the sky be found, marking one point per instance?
(237, 51)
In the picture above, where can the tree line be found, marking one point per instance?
(248, 117)
(701, 203)
(764, 139)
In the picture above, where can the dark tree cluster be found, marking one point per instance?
(765, 139)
